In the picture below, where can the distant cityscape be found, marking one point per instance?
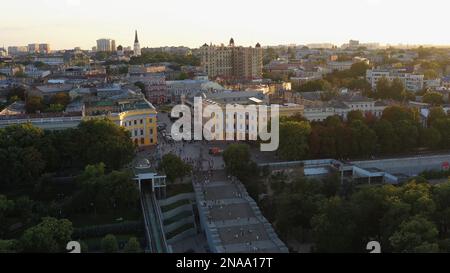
(86, 136)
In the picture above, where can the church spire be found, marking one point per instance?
(136, 40)
(137, 46)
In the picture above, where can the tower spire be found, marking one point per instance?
(137, 46)
(136, 40)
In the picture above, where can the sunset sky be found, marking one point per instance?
(70, 23)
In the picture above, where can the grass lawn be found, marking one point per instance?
(112, 217)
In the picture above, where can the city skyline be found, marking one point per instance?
(79, 23)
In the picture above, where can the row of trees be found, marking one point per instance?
(26, 152)
(397, 131)
(57, 103)
(408, 218)
(52, 235)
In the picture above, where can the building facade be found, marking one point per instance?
(106, 45)
(412, 82)
(232, 62)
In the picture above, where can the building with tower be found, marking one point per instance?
(137, 46)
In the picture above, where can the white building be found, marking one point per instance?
(319, 111)
(339, 66)
(412, 82)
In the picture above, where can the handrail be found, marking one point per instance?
(147, 223)
(160, 221)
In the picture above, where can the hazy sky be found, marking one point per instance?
(70, 23)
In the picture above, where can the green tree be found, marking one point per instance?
(16, 93)
(441, 197)
(312, 86)
(109, 244)
(174, 167)
(416, 235)
(387, 138)
(433, 98)
(359, 69)
(103, 192)
(132, 246)
(6, 207)
(443, 126)
(364, 139)
(100, 140)
(294, 140)
(436, 113)
(397, 89)
(55, 108)
(141, 85)
(395, 114)
(61, 99)
(430, 138)
(51, 235)
(355, 115)
(334, 227)
(383, 88)
(34, 105)
(237, 159)
(408, 133)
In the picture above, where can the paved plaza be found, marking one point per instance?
(232, 217)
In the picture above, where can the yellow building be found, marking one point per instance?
(140, 119)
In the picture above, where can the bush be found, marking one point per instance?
(99, 231)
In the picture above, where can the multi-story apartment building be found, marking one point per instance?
(33, 48)
(17, 50)
(412, 82)
(44, 48)
(38, 48)
(106, 45)
(232, 62)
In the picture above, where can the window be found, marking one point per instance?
(150, 120)
(135, 122)
(151, 131)
(151, 140)
(135, 133)
(142, 141)
(142, 132)
(142, 121)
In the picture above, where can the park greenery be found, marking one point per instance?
(54, 181)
